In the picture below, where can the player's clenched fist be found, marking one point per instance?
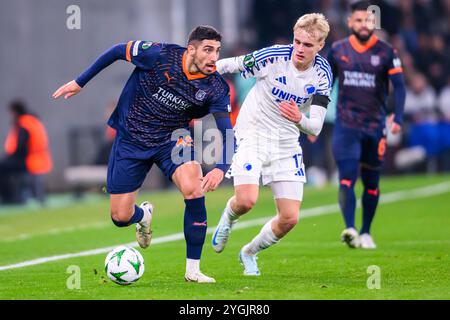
(68, 90)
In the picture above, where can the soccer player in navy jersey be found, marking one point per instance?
(364, 66)
(170, 86)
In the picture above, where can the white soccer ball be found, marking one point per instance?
(124, 265)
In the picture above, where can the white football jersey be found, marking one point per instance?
(277, 80)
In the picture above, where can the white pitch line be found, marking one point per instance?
(305, 213)
(55, 231)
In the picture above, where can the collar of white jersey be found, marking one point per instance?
(303, 73)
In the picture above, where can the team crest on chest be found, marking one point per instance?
(309, 89)
(200, 95)
(375, 60)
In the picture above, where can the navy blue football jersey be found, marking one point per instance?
(161, 95)
(363, 73)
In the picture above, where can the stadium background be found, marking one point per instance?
(39, 53)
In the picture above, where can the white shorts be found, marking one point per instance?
(292, 190)
(271, 160)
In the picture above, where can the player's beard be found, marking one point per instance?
(361, 38)
(197, 65)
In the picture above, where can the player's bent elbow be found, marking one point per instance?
(315, 131)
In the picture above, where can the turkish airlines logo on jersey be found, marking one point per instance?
(171, 100)
(359, 79)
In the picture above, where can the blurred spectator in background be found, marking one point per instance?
(420, 100)
(274, 19)
(444, 102)
(420, 110)
(28, 157)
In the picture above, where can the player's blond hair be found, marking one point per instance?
(314, 24)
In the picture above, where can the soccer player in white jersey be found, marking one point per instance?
(291, 80)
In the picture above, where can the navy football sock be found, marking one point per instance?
(370, 179)
(137, 217)
(348, 173)
(195, 227)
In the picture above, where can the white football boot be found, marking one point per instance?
(144, 228)
(366, 241)
(350, 237)
(249, 263)
(198, 277)
(222, 233)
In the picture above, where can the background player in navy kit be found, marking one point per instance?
(170, 86)
(364, 65)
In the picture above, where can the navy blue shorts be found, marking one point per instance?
(130, 162)
(352, 144)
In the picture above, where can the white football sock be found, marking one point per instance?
(229, 212)
(192, 266)
(145, 218)
(263, 240)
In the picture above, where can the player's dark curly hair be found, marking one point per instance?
(201, 33)
(360, 6)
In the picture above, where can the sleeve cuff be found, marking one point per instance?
(223, 166)
(80, 82)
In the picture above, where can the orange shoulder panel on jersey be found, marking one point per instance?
(128, 53)
(395, 71)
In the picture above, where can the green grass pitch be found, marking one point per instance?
(412, 234)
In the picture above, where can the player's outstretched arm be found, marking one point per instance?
(229, 65)
(118, 52)
(249, 66)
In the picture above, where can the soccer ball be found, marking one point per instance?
(124, 265)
